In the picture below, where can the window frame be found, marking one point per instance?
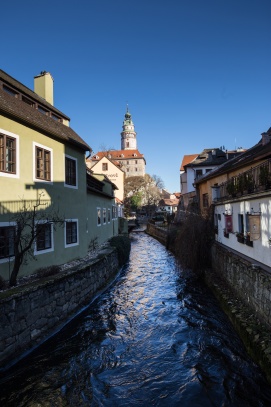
(44, 148)
(15, 174)
(104, 216)
(69, 157)
(104, 166)
(72, 244)
(205, 200)
(49, 249)
(7, 225)
(99, 216)
(108, 215)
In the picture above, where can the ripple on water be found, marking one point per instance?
(157, 337)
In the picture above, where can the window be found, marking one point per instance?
(114, 212)
(216, 223)
(135, 161)
(28, 101)
(56, 118)
(205, 200)
(135, 169)
(44, 239)
(7, 154)
(10, 91)
(98, 216)
(241, 223)
(70, 171)
(7, 236)
(42, 110)
(127, 162)
(104, 216)
(42, 163)
(71, 232)
(198, 173)
(108, 215)
(105, 167)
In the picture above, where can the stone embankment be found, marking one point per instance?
(30, 313)
(160, 233)
(244, 292)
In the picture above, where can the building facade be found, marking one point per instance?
(43, 172)
(240, 193)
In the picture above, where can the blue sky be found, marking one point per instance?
(195, 73)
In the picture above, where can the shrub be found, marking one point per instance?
(123, 246)
(192, 243)
(48, 271)
(3, 284)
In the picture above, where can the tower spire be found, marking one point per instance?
(128, 134)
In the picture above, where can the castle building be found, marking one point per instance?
(129, 159)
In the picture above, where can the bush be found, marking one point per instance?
(48, 271)
(123, 246)
(3, 283)
(192, 243)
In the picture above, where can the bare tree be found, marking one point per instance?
(27, 230)
(146, 187)
(159, 183)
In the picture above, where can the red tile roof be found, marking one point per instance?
(187, 159)
(117, 155)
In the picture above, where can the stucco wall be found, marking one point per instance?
(69, 202)
(261, 250)
(34, 312)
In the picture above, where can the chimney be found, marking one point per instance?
(266, 137)
(44, 86)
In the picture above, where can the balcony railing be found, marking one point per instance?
(254, 180)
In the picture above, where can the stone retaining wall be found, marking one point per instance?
(31, 313)
(251, 283)
(157, 232)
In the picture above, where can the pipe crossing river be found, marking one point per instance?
(156, 337)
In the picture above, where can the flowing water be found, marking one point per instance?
(156, 337)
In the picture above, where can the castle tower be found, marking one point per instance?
(128, 134)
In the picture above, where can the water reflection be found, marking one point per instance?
(156, 337)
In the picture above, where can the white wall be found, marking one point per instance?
(261, 250)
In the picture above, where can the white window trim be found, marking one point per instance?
(75, 159)
(104, 217)
(71, 244)
(17, 171)
(5, 224)
(51, 249)
(34, 163)
(99, 224)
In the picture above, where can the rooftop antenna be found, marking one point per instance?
(127, 107)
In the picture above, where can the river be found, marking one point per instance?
(155, 337)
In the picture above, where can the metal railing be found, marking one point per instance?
(256, 179)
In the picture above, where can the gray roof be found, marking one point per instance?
(249, 157)
(16, 109)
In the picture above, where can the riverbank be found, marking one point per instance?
(36, 309)
(253, 330)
